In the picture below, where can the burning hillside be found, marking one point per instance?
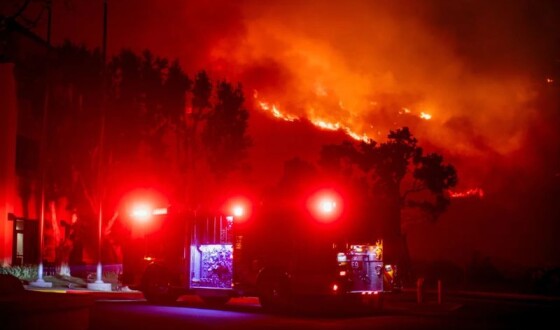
(462, 74)
(371, 67)
(476, 81)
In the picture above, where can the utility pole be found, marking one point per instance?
(99, 285)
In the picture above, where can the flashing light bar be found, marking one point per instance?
(159, 211)
(238, 211)
(141, 213)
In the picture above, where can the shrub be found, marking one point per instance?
(24, 273)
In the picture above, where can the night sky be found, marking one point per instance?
(487, 72)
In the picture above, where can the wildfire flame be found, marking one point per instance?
(422, 115)
(473, 192)
(337, 126)
(425, 116)
(320, 123)
(275, 112)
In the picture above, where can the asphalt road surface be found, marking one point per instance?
(398, 313)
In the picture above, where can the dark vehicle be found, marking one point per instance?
(278, 254)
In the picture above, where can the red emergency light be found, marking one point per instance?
(325, 205)
(143, 212)
(141, 205)
(238, 211)
(239, 208)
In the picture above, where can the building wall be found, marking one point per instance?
(8, 192)
(19, 48)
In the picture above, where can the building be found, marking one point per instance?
(20, 136)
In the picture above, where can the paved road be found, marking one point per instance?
(111, 315)
(399, 313)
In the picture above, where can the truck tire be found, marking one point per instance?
(274, 293)
(215, 300)
(156, 286)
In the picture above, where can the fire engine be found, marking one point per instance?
(278, 252)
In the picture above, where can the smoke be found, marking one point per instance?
(176, 29)
(474, 66)
(479, 68)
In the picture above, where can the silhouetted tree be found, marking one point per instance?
(401, 176)
(72, 119)
(224, 135)
(298, 174)
(160, 129)
(197, 112)
(139, 99)
(216, 125)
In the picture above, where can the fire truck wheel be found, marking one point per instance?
(274, 293)
(156, 286)
(215, 300)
